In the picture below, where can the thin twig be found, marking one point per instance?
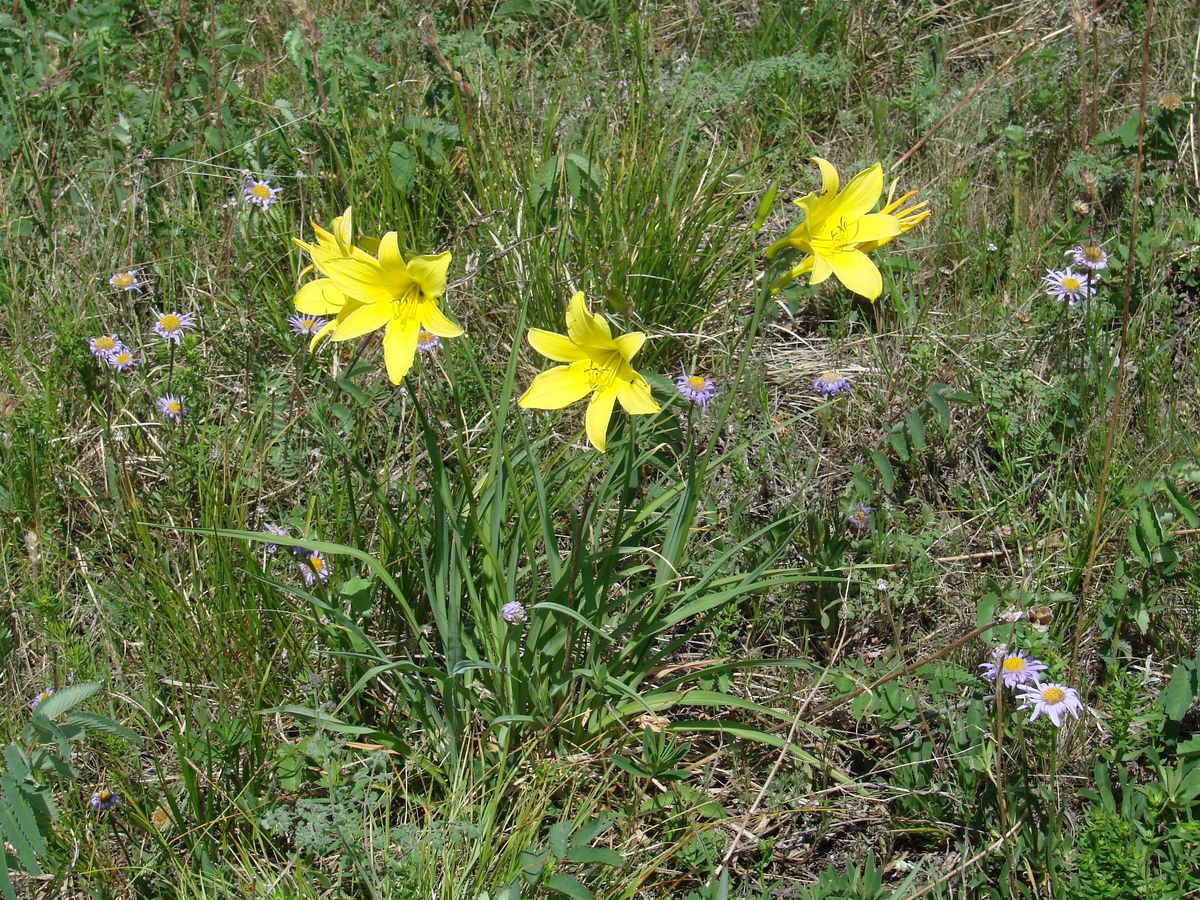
(1118, 393)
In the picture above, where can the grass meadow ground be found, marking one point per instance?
(739, 653)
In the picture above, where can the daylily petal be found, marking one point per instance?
(859, 195)
(599, 411)
(821, 269)
(400, 347)
(586, 329)
(551, 345)
(829, 175)
(363, 320)
(322, 334)
(557, 387)
(636, 398)
(362, 279)
(629, 344)
(390, 258)
(435, 321)
(874, 227)
(319, 298)
(343, 229)
(855, 270)
(429, 272)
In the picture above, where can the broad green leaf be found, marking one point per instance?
(66, 698)
(569, 885)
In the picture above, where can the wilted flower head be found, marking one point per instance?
(278, 530)
(859, 517)
(1068, 285)
(306, 325)
(313, 566)
(259, 193)
(125, 281)
(696, 389)
(514, 613)
(44, 695)
(1088, 256)
(427, 341)
(103, 344)
(171, 326)
(1052, 699)
(830, 383)
(1014, 668)
(171, 407)
(103, 799)
(1170, 102)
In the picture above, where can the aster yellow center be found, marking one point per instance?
(696, 383)
(307, 324)
(1013, 664)
(174, 406)
(169, 322)
(1093, 254)
(1071, 285)
(122, 279)
(105, 343)
(261, 192)
(424, 337)
(318, 564)
(1053, 695)
(122, 359)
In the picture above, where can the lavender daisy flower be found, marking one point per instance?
(259, 193)
(859, 517)
(696, 389)
(120, 358)
(426, 341)
(279, 531)
(171, 407)
(514, 613)
(1088, 256)
(1014, 669)
(1068, 285)
(306, 325)
(830, 383)
(313, 567)
(125, 281)
(103, 344)
(103, 799)
(44, 695)
(171, 326)
(1051, 699)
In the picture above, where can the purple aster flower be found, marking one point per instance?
(313, 566)
(1068, 285)
(859, 517)
(120, 358)
(125, 281)
(830, 383)
(1088, 256)
(427, 341)
(696, 389)
(1014, 669)
(103, 799)
(1052, 699)
(103, 344)
(44, 695)
(306, 325)
(259, 193)
(171, 407)
(514, 613)
(171, 326)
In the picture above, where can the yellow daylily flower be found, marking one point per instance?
(596, 364)
(321, 296)
(838, 230)
(385, 292)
